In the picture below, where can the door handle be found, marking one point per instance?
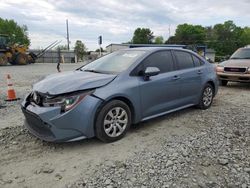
(176, 77)
(199, 72)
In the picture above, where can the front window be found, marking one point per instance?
(162, 60)
(113, 63)
(241, 54)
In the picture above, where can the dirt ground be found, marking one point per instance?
(28, 162)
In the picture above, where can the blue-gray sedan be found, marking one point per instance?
(106, 96)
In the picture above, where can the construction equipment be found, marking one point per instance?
(18, 54)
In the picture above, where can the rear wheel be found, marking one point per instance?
(21, 59)
(3, 59)
(223, 82)
(206, 97)
(113, 121)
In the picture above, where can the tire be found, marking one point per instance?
(3, 59)
(21, 59)
(109, 127)
(207, 96)
(223, 82)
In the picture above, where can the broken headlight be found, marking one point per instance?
(66, 102)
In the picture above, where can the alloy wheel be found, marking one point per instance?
(207, 96)
(115, 122)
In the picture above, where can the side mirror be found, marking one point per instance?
(150, 71)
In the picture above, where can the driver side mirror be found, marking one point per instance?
(150, 71)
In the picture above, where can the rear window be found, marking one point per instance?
(184, 60)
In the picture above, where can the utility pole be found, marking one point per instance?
(67, 25)
(169, 31)
(100, 43)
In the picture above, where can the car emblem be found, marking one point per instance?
(234, 69)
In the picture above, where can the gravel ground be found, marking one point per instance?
(190, 148)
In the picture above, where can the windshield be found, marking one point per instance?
(113, 63)
(241, 54)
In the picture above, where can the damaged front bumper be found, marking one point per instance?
(50, 124)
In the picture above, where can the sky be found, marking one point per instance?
(116, 20)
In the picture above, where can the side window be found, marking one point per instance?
(184, 60)
(197, 61)
(163, 60)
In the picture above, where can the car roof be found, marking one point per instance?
(152, 49)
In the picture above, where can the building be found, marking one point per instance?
(210, 54)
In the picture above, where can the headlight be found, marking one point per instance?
(65, 102)
(219, 68)
(248, 70)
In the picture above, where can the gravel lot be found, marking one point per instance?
(190, 148)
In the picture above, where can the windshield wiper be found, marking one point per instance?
(236, 58)
(240, 58)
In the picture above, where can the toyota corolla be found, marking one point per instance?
(106, 96)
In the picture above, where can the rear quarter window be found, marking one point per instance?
(184, 60)
(197, 61)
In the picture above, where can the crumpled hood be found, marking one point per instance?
(66, 82)
(236, 63)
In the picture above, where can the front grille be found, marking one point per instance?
(37, 125)
(235, 69)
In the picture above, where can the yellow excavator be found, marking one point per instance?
(18, 54)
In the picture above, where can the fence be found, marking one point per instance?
(53, 56)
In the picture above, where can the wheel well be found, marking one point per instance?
(127, 102)
(123, 99)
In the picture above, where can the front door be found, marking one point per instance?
(161, 92)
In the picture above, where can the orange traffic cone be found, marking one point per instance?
(11, 94)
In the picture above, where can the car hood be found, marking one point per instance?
(236, 63)
(71, 81)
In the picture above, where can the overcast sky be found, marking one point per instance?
(116, 20)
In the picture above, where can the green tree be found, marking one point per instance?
(62, 47)
(98, 50)
(226, 38)
(142, 36)
(172, 40)
(17, 34)
(189, 34)
(80, 49)
(245, 36)
(159, 40)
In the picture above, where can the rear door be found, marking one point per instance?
(190, 73)
(161, 92)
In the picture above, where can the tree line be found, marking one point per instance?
(224, 38)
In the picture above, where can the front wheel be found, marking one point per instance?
(206, 97)
(113, 121)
